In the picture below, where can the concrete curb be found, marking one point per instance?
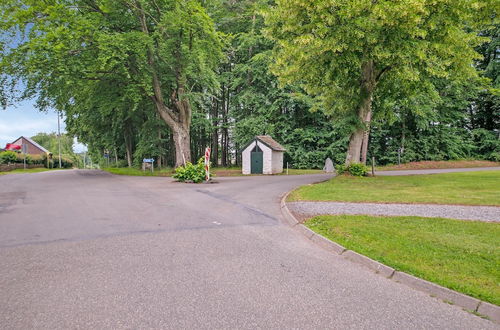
(438, 291)
(491, 311)
(376, 266)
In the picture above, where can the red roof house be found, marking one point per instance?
(32, 148)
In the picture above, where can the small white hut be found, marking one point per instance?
(263, 155)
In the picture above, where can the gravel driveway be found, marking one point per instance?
(481, 213)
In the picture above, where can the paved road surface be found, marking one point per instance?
(86, 249)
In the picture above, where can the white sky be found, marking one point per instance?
(24, 120)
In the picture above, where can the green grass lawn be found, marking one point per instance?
(292, 171)
(460, 255)
(433, 164)
(138, 172)
(217, 171)
(29, 170)
(468, 188)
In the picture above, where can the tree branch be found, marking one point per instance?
(381, 73)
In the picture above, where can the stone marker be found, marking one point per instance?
(329, 166)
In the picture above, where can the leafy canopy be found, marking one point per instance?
(322, 45)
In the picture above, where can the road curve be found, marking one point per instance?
(87, 249)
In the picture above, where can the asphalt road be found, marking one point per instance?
(86, 249)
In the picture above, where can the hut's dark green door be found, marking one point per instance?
(256, 161)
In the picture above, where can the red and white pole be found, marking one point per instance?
(207, 164)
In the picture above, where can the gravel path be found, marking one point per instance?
(481, 213)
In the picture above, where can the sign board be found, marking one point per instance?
(24, 148)
(148, 160)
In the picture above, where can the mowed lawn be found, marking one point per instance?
(30, 170)
(468, 188)
(216, 171)
(132, 171)
(460, 255)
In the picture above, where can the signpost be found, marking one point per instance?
(24, 148)
(207, 164)
(106, 156)
(149, 161)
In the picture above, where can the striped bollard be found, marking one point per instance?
(207, 164)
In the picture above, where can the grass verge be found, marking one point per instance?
(428, 164)
(460, 255)
(30, 170)
(217, 171)
(467, 188)
(138, 172)
(292, 171)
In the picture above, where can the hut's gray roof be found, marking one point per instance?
(270, 142)
(266, 140)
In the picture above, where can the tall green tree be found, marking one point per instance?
(50, 141)
(163, 51)
(347, 53)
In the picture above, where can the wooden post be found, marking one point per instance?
(373, 166)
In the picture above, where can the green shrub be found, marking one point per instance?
(54, 162)
(357, 169)
(190, 172)
(7, 157)
(354, 169)
(36, 159)
(340, 168)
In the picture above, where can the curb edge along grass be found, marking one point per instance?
(468, 303)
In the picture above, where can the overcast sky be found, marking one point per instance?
(25, 120)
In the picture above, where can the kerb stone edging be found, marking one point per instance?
(445, 294)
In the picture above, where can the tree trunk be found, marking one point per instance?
(354, 149)
(215, 132)
(182, 143)
(159, 147)
(367, 86)
(366, 137)
(178, 115)
(128, 144)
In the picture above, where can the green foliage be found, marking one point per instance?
(66, 162)
(347, 53)
(152, 140)
(108, 65)
(408, 41)
(487, 144)
(354, 169)
(50, 141)
(340, 169)
(191, 172)
(7, 157)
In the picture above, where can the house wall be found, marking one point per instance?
(31, 149)
(245, 158)
(268, 158)
(267, 166)
(277, 163)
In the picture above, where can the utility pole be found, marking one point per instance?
(59, 136)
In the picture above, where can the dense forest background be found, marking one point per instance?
(246, 100)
